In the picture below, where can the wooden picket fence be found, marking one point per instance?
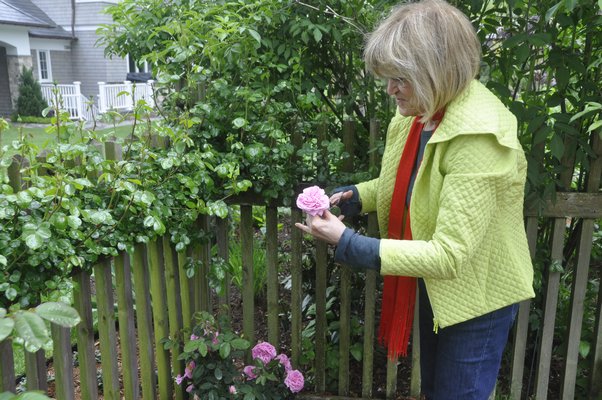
(154, 299)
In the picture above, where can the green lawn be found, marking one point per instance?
(40, 137)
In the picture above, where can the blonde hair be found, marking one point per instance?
(432, 45)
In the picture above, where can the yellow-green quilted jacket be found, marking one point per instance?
(469, 242)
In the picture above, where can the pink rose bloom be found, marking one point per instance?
(194, 337)
(294, 381)
(313, 201)
(264, 351)
(284, 361)
(215, 341)
(189, 388)
(189, 369)
(249, 371)
(179, 379)
(232, 389)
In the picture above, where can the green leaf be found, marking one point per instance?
(6, 327)
(224, 350)
(34, 241)
(239, 122)
(74, 221)
(595, 126)
(191, 346)
(202, 349)
(240, 344)
(584, 348)
(317, 35)
(552, 11)
(32, 329)
(255, 35)
(557, 147)
(218, 374)
(58, 313)
(11, 293)
(2, 312)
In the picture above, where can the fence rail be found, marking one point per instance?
(123, 96)
(155, 298)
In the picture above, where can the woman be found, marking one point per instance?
(449, 200)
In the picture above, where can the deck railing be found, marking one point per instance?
(155, 298)
(70, 99)
(123, 96)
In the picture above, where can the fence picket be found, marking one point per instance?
(7, 366)
(344, 330)
(321, 322)
(271, 240)
(127, 329)
(160, 319)
(248, 293)
(579, 289)
(546, 333)
(144, 321)
(63, 363)
(35, 370)
(82, 302)
(106, 330)
(296, 288)
(173, 305)
(223, 252)
(202, 252)
(185, 298)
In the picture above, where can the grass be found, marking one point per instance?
(39, 136)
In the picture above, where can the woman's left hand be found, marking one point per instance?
(328, 227)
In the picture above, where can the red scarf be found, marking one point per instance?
(399, 292)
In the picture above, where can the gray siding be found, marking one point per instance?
(90, 65)
(58, 10)
(60, 65)
(92, 14)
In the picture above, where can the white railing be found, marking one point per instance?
(123, 96)
(70, 99)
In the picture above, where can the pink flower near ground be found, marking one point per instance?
(190, 388)
(179, 379)
(189, 369)
(284, 361)
(232, 389)
(294, 381)
(313, 201)
(264, 351)
(249, 371)
(194, 337)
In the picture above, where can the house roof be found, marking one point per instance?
(24, 12)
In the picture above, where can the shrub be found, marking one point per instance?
(30, 101)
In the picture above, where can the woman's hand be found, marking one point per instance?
(328, 227)
(336, 198)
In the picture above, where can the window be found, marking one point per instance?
(134, 66)
(44, 70)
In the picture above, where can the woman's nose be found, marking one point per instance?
(391, 87)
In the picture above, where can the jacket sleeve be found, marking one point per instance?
(367, 193)
(476, 168)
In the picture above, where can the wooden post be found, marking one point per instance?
(272, 273)
(106, 329)
(184, 291)
(7, 367)
(82, 302)
(223, 252)
(173, 309)
(144, 321)
(102, 98)
(248, 293)
(79, 104)
(161, 324)
(321, 321)
(370, 298)
(549, 316)
(296, 287)
(63, 363)
(35, 370)
(127, 329)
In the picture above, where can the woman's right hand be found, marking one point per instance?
(338, 197)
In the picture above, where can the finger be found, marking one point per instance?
(335, 198)
(304, 228)
(341, 217)
(347, 195)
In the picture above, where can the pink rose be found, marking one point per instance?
(194, 337)
(232, 389)
(294, 381)
(189, 369)
(313, 201)
(284, 361)
(179, 379)
(190, 388)
(264, 351)
(249, 371)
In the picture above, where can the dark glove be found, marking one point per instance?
(357, 251)
(349, 207)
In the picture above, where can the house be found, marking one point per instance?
(57, 38)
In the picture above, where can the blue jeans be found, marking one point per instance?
(461, 361)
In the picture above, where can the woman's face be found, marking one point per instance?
(403, 92)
